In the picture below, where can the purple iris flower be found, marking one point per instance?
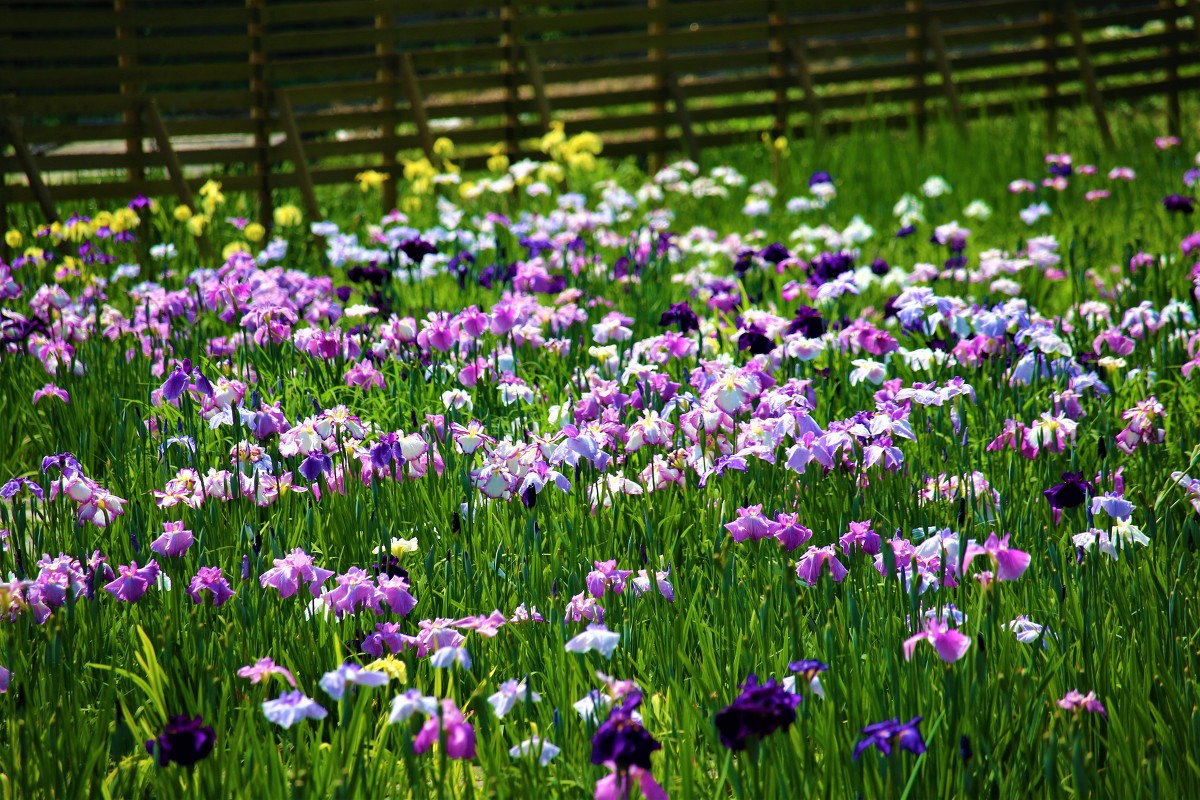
(889, 734)
(269, 421)
(820, 176)
(387, 634)
(289, 571)
(394, 591)
(316, 465)
(386, 450)
(622, 740)
(605, 575)
(184, 741)
(753, 339)
(1178, 203)
(416, 249)
(291, 707)
(1072, 492)
(9, 490)
(460, 734)
(175, 540)
(131, 582)
(807, 322)
(336, 683)
(808, 568)
(774, 253)
(860, 537)
(183, 376)
(680, 314)
(67, 464)
(759, 711)
(1077, 702)
(210, 579)
(1010, 562)
(356, 588)
(751, 524)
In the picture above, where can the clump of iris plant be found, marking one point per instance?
(624, 746)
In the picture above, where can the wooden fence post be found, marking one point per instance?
(1171, 51)
(170, 157)
(915, 31)
(508, 71)
(3, 210)
(16, 137)
(284, 103)
(812, 103)
(1050, 80)
(416, 104)
(1087, 73)
(385, 51)
(934, 34)
(258, 112)
(685, 119)
(126, 63)
(778, 16)
(533, 66)
(656, 55)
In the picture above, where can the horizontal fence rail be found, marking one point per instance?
(105, 99)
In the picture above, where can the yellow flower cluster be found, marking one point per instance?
(423, 175)
(78, 229)
(420, 175)
(370, 179)
(288, 216)
(577, 152)
(211, 197)
(779, 144)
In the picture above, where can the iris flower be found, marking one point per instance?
(596, 637)
(337, 681)
(291, 707)
(184, 741)
(951, 645)
(263, 669)
(808, 568)
(760, 710)
(890, 734)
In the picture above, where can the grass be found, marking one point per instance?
(100, 677)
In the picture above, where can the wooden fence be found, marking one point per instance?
(112, 98)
